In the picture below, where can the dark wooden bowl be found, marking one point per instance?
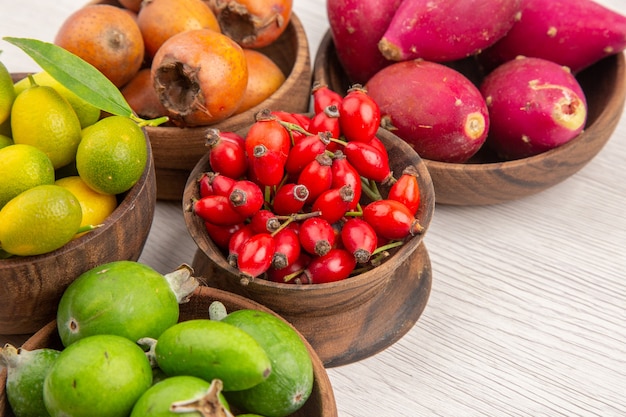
(348, 320)
(177, 150)
(31, 286)
(486, 180)
(321, 403)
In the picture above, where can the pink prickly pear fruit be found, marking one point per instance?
(356, 26)
(432, 107)
(534, 105)
(446, 30)
(572, 33)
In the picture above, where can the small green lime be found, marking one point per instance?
(23, 167)
(41, 117)
(112, 155)
(39, 220)
(5, 141)
(87, 113)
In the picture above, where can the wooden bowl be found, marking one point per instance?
(31, 286)
(177, 150)
(348, 320)
(487, 180)
(321, 403)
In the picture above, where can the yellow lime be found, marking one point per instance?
(96, 207)
(39, 220)
(7, 93)
(22, 167)
(87, 114)
(43, 118)
(112, 155)
(5, 141)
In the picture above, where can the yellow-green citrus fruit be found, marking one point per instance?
(22, 167)
(112, 155)
(100, 375)
(7, 93)
(96, 207)
(43, 118)
(39, 220)
(5, 141)
(87, 113)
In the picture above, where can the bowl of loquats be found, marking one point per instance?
(31, 285)
(520, 154)
(347, 307)
(274, 59)
(320, 402)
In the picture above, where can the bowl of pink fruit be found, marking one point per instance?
(495, 117)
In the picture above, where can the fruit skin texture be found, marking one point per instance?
(200, 76)
(211, 349)
(535, 105)
(100, 375)
(107, 37)
(436, 109)
(39, 220)
(112, 155)
(291, 381)
(356, 27)
(264, 78)
(141, 96)
(124, 298)
(41, 117)
(23, 167)
(571, 33)
(159, 20)
(7, 93)
(26, 371)
(446, 30)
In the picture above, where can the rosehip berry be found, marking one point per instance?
(290, 199)
(268, 131)
(212, 183)
(391, 219)
(255, 256)
(292, 273)
(368, 161)
(359, 238)
(267, 167)
(217, 210)
(294, 119)
(316, 176)
(264, 221)
(345, 174)
(334, 203)
(406, 190)
(227, 154)
(237, 241)
(359, 115)
(305, 151)
(326, 121)
(317, 236)
(336, 265)
(287, 248)
(221, 235)
(246, 197)
(323, 97)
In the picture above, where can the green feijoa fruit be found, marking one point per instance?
(184, 394)
(210, 350)
(101, 375)
(26, 371)
(125, 298)
(291, 381)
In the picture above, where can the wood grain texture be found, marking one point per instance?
(487, 180)
(345, 320)
(527, 307)
(321, 402)
(31, 287)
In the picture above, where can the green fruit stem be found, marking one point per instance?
(182, 282)
(217, 311)
(10, 356)
(208, 406)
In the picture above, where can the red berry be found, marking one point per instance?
(227, 153)
(217, 210)
(406, 190)
(359, 115)
(317, 236)
(212, 183)
(369, 161)
(304, 151)
(336, 265)
(359, 238)
(292, 273)
(266, 166)
(334, 203)
(326, 121)
(290, 199)
(391, 219)
(236, 242)
(323, 97)
(317, 176)
(264, 221)
(221, 235)
(287, 249)
(255, 256)
(246, 197)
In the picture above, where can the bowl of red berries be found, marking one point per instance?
(320, 217)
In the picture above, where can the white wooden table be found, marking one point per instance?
(527, 314)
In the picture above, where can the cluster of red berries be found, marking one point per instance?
(284, 203)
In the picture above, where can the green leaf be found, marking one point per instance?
(80, 77)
